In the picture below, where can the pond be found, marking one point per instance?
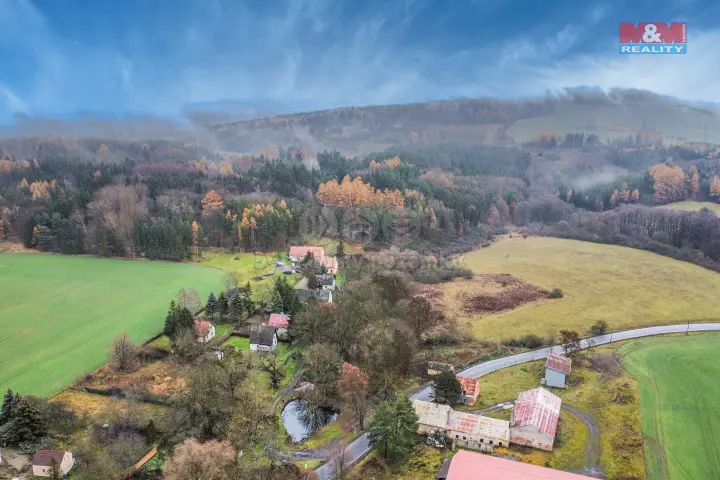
(301, 421)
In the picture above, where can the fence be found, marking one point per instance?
(127, 474)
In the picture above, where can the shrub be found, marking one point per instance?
(528, 341)
(556, 293)
(599, 328)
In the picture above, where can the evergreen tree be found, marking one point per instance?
(249, 304)
(170, 328)
(340, 251)
(237, 305)
(211, 305)
(393, 429)
(185, 320)
(7, 407)
(222, 305)
(308, 258)
(27, 424)
(277, 302)
(312, 281)
(447, 389)
(150, 433)
(323, 270)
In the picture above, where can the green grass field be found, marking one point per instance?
(623, 286)
(691, 206)
(58, 314)
(679, 391)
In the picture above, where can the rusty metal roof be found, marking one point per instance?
(538, 408)
(432, 414)
(479, 425)
(470, 386)
(559, 363)
(467, 465)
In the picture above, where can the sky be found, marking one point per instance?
(61, 59)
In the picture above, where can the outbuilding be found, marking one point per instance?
(43, 461)
(280, 322)
(263, 339)
(205, 330)
(557, 369)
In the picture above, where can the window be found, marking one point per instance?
(481, 440)
(464, 437)
(457, 436)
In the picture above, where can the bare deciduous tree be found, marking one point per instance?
(192, 460)
(123, 353)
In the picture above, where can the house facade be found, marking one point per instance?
(477, 431)
(205, 331)
(326, 282)
(263, 339)
(43, 460)
(464, 429)
(298, 254)
(534, 419)
(470, 388)
(557, 369)
(280, 322)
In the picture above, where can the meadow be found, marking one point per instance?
(58, 314)
(679, 393)
(625, 287)
(691, 206)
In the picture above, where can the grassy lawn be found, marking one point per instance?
(679, 390)
(625, 287)
(243, 344)
(59, 314)
(610, 397)
(690, 206)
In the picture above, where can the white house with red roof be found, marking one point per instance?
(280, 322)
(470, 388)
(535, 418)
(466, 465)
(298, 253)
(557, 369)
(205, 330)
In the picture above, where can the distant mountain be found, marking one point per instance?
(355, 130)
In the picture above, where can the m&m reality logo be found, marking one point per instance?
(653, 38)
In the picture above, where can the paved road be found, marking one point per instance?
(360, 447)
(592, 449)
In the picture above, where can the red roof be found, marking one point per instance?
(43, 458)
(538, 408)
(470, 386)
(469, 466)
(330, 263)
(559, 363)
(301, 251)
(278, 320)
(202, 327)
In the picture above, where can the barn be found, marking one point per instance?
(534, 419)
(477, 431)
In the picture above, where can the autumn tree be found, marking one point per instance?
(250, 424)
(494, 216)
(353, 388)
(195, 239)
(570, 340)
(615, 198)
(192, 460)
(212, 203)
(693, 182)
(668, 183)
(273, 364)
(635, 195)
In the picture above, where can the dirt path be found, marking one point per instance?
(592, 449)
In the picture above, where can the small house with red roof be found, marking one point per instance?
(280, 322)
(535, 418)
(557, 369)
(299, 252)
(43, 460)
(470, 388)
(205, 330)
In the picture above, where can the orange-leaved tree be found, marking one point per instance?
(353, 388)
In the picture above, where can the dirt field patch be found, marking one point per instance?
(608, 365)
(494, 293)
(93, 405)
(160, 378)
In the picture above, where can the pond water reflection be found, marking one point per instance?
(301, 421)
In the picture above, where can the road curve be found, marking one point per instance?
(361, 446)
